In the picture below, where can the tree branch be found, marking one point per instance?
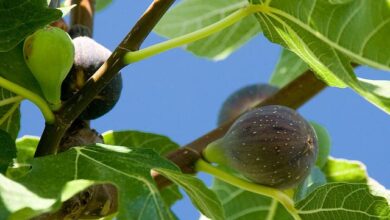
(83, 14)
(72, 108)
(293, 95)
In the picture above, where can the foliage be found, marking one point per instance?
(330, 37)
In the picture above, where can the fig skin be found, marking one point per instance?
(89, 56)
(272, 145)
(49, 54)
(243, 100)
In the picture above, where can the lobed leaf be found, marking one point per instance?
(14, 69)
(242, 205)
(129, 169)
(192, 15)
(204, 199)
(328, 37)
(9, 113)
(344, 201)
(7, 151)
(341, 170)
(159, 143)
(20, 18)
(288, 68)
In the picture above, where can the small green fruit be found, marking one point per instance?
(324, 144)
(243, 100)
(272, 145)
(49, 54)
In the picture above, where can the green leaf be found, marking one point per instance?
(339, 1)
(129, 169)
(7, 151)
(18, 202)
(324, 144)
(102, 4)
(10, 113)
(14, 69)
(200, 195)
(344, 201)
(341, 170)
(192, 15)
(358, 30)
(160, 144)
(26, 147)
(312, 182)
(18, 19)
(289, 67)
(203, 198)
(65, 10)
(242, 205)
(329, 37)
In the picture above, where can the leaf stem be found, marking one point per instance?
(36, 99)
(272, 209)
(278, 195)
(132, 57)
(11, 100)
(9, 113)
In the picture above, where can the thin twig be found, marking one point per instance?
(83, 14)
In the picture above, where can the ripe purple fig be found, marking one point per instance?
(89, 56)
(272, 145)
(243, 100)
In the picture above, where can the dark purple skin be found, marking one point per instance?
(272, 145)
(243, 100)
(89, 56)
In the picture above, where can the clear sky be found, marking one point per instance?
(179, 95)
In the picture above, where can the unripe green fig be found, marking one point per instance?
(243, 100)
(89, 56)
(324, 144)
(272, 145)
(49, 54)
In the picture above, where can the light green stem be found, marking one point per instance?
(272, 209)
(11, 100)
(36, 99)
(276, 194)
(9, 113)
(135, 56)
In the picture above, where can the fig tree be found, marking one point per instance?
(49, 54)
(89, 56)
(272, 145)
(244, 99)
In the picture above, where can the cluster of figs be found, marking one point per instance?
(62, 63)
(271, 145)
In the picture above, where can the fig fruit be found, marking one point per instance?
(49, 54)
(272, 145)
(243, 100)
(324, 144)
(89, 56)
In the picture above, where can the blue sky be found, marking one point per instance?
(179, 95)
